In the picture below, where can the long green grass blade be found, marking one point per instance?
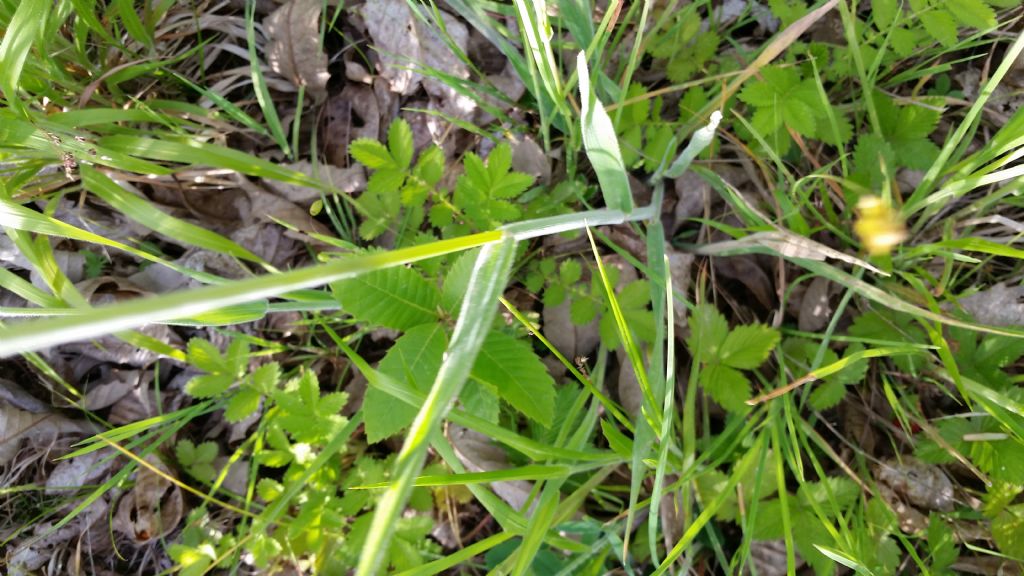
(36, 335)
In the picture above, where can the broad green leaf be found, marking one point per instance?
(414, 358)
(509, 367)
(727, 386)
(747, 347)
(397, 297)
(481, 401)
(490, 276)
(601, 144)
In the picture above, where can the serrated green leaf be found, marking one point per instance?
(499, 161)
(331, 404)
(747, 347)
(397, 297)
(554, 295)
(386, 182)
(204, 355)
(973, 13)
(205, 453)
(827, 394)
(727, 386)
(870, 154)
(583, 310)
(208, 385)
(430, 166)
(400, 143)
(511, 185)
(265, 378)
(371, 154)
(457, 281)
(940, 25)
(708, 330)
(570, 271)
(185, 451)
(242, 404)
(479, 400)
(883, 13)
(414, 358)
(510, 367)
(440, 215)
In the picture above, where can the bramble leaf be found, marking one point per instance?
(510, 368)
(396, 297)
(415, 359)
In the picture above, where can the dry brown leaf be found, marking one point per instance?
(815, 311)
(19, 398)
(294, 49)
(403, 42)
(528, 157)
(152, 508)
(352, 114)
(478, 454)
(631, 396)
(79, 471)
(112, 385)
(87, 528)
(346, 180)
(40, 429)
(768, 558)
(266, 207)
(1000, 305)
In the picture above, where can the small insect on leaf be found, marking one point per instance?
(879, 227)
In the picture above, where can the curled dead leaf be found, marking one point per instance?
(151, 509)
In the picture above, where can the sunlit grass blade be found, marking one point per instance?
(924, 189)
(601, 143)
(22, 32)
(259, 84)
(489, 276)
(35, 335)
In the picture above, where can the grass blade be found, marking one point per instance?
(36, 335)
